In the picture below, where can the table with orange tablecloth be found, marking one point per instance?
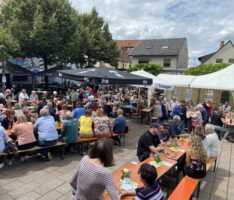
(161, 170)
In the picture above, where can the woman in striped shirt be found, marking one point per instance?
(92, 176)
(151, 189)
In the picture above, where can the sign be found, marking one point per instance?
(4, 79)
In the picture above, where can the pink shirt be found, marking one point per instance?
(24, 133)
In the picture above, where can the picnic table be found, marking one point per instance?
(162, 168)
(148, 112)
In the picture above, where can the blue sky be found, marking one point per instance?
(203, 22)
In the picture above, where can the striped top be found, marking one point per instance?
(90, 181)
(149, 193)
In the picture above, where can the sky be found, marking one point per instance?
(203, 22)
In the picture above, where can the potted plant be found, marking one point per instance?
(126, 174)
(157, 158)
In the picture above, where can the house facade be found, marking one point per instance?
(225, 54)
(171, 54)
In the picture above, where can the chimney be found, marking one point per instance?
(222, 43)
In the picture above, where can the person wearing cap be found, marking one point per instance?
(148, 142)
(164, 134)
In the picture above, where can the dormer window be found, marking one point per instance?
(165, 47)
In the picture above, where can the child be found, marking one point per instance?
(151, 189)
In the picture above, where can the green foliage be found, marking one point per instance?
(206, 69)
(152, 68)
(8, 45)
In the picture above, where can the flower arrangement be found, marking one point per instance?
(157, 158)
(125, 174)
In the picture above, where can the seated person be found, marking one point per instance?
(119, 125)
(151, 189)
(78, 111)
(86, 125)
(46, 129)
(213, 141)
(199, 131)
(69, 129)
(4, 139)
(174, 126)
(102, 125)
(33, 96)
(164, 134)
(23, 130)
(10, 118)
(196, 159)
(148, 142)
(27, 113)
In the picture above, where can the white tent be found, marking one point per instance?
(175, 80)
(157, 83)
(220, 80)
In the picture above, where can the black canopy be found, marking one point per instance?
(104, 75)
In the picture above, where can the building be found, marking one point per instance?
(125, 46)
(225, 54)
(171, 54)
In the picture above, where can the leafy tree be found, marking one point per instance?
(42, 27)
(152, 68)
(206, 69)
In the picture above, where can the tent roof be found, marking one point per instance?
(99, 73)
(176, 80)
(220, 80)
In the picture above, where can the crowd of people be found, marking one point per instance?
(86, 111)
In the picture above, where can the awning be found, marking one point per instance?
(104, 75)
(220, 80)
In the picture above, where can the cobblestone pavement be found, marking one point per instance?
(36, 179)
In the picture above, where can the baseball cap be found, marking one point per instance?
(155, 125)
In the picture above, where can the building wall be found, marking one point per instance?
(183, 57)
(226, 53)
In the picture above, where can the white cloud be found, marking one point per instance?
(203, 22)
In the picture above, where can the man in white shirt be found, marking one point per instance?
(212, 140)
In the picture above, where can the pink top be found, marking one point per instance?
(24, 133)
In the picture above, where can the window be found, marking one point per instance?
(143, 61)
(209, 95)
(219, 60)
(165, 47)
(231, 60)
(188, 94)
(167, 62)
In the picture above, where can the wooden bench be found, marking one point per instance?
(185, 189)
(84, 142)
(38, 148)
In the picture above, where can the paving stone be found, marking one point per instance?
(30, 196)
(66, 196)
(65, 188)
(53, 195)
(5, 197)
(45, 188)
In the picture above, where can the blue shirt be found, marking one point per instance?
(70, 131)
(3, 139)
(78, 112)
(119, 124)
(46, 128)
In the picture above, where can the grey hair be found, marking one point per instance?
(44, 112)
(176, 119)
(209, 128)
(1, 95)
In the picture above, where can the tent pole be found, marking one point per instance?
(198, 96)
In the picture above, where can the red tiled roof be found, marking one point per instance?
(126, 43)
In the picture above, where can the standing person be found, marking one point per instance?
(102, 125)
(148, 142)
(23, 130)
(92, 176)
(151, 189)
(173, 103)
(208, 107)
(86, 125)
(196, 117)
(226, 108)
(196, 159)
(157, 110)
(212, 140)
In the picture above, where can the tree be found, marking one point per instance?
(152, 68)
(206, 69)
(42, 27)
(92, 41)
